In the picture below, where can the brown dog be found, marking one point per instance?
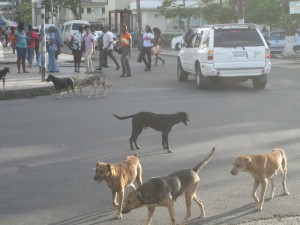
(263, 167)
(119, 176)
(163, 191)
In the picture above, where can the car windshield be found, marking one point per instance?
(237, 38)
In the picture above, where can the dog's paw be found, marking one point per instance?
(170, 151)
(286, 193)
(115, 204)
(118, 216)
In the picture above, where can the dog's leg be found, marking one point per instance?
(284, 173)
(170, 205)
(188, 202)
(272, 188)
(139, 178)
(114, 198)
(121, 198)
(136, 131)
(132, 186)
(264, 185)
(92, 91)
(167, 142)
(150, 214)
(255, 186)
(3, 83)
(200, 204)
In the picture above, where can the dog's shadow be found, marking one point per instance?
(227, 216)
(92, 218)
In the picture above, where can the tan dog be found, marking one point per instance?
(263, 167)
(119, 176)
(95, 81)
(163, 191)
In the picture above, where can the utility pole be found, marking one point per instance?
(139, 21)
(240, 9)
(79, 12)
(43, 40)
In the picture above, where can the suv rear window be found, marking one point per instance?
(229, 38)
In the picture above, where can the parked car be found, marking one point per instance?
(236, 52)
(277, 41)
(176, 42)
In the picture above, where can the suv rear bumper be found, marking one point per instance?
(209, 71)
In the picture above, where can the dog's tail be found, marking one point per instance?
(205, 161)
(123, 117)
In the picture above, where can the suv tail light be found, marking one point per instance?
(268, 55)
(210, 55)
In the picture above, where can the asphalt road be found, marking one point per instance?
(49, 147)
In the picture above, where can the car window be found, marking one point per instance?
(191, 42)
(205, 39)
(197, 40)
(237, 37)
(276, 36)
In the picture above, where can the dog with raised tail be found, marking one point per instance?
(163, 191)
(263, 167)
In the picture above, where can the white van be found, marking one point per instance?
(71, 27)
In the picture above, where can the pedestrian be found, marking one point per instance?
(148, 39)
(52, 48)
(21, 46)
(108, 47)
(158, 38)
(89, 45)
(7, 31)
(31, 39)
(100, 47)
(76, 47)
(12, 39)
(126, 43)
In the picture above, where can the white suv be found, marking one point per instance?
(233, 51)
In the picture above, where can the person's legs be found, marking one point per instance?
(124, 57)
(52, 64)
(148, 52)
(30, 56)
(111, 55)
(88, 61)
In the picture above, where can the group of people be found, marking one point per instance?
(83, 42)
(27, 44)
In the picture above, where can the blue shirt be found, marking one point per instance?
(52, 40)
(21, 39)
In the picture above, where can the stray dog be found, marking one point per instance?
(61, 83)
(262, 167)
(159, 122)
(163, 191)
(3, 75)
(119, 176)
(96, 80)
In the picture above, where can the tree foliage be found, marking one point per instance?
(73, 5)
(23, 11)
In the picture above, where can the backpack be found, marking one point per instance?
(28, 38)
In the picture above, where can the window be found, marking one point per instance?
(88, 10)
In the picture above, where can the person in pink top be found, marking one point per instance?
(31, 39)
(89, 50)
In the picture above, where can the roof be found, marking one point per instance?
(153, 4)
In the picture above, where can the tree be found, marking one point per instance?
(172, 9)
(73, 5)
(290, 24)
(214, 12)
(23, 13)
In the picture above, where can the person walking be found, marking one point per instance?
(31, 39)
(158, 38)
(100, 47)
(108, 47)
(76, 47)
(89, 44)
(148, 38)
(52, 46)
(21, 46)
(7, 31)
(12, 39)
(126, 43)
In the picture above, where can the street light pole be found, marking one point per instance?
(139, 21)
(43, 42)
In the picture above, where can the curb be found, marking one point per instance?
(26, 93)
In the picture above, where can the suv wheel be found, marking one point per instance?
(181, 74)
(260, 82)
(202, 81)
(177, 46)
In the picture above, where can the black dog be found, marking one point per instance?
(3, 75)
(159, 122)
(61, 83)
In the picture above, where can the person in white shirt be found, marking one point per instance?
(148, 39)
(108, 47)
